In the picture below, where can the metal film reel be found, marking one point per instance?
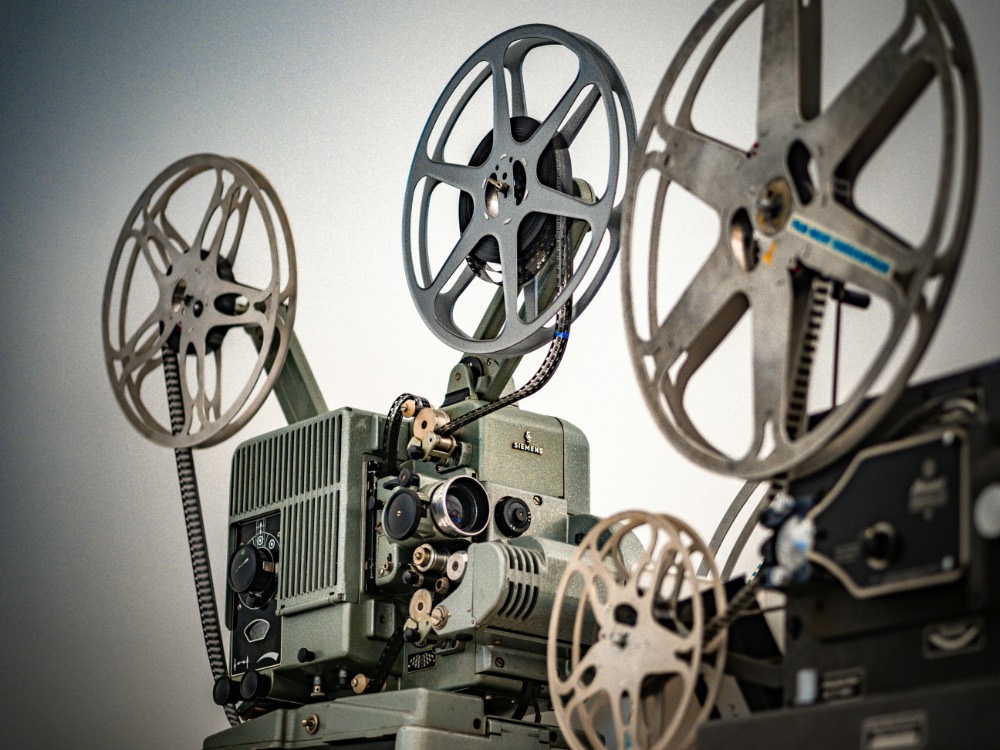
(640, 672)
(517, 194)
(176, 285)
(790, 230)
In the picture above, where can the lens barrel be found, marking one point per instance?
(460, 507)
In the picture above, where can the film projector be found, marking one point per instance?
(433, 575)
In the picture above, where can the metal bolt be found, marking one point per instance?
(619, 638)
(498, 662)
(947, 562)
(948, 438)
(311, 723)
(537, 499)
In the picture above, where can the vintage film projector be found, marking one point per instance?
(390, 577)
(434, 575)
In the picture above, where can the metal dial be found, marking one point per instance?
(787, 212)
(179, 279)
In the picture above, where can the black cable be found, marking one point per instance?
(560, 338)
(528, 696)
(195, 527)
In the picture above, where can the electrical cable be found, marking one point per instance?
(560, 338)
(195, 527)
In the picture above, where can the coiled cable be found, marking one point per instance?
(195, 527)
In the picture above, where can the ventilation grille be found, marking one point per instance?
(285, 465)
(523, 581)
(309, 546)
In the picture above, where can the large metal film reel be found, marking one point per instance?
(790, 230)
(640, 673)
(207, 249)
(517, 196)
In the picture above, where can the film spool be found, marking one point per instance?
(516, 193)
(638, 657)
(786, 210)
(175, 282)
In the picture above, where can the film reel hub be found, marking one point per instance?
(505, 186)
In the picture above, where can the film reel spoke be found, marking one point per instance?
(459, 176)
(880, 94)
(455, 260)
(550, 126)
(788, 87)
(231, 203)
(503, 138)
(772, 341)
(139, 347)
(703, 166)
(506, 238)
(444, 303)
(199, 296)
(514, 64)
(151, 233)
(195, 399)
(575, 121)
(705, 313)
(562, 204)
(858, 251)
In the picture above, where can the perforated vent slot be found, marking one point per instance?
(523, 580)
(286, 465)
(309, 546)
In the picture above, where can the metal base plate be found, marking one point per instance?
(416, 719)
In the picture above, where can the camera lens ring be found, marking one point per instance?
(460, 507)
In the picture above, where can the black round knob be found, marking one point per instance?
(305, 655)
(513, 516)
(408, 479)
(225, 691)
(881, 545)
(411, 635)
(247, 570)
(254, 686)
(401, 516)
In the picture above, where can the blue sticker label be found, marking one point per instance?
(858, 255)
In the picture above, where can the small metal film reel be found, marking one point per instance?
(640, 673)
(206, 250)
(792, 237)
(517, 184)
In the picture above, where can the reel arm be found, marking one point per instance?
(296, 388)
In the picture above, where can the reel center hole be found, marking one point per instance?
(626, 614)
(742, 242)
(496, 189)
(498, 185)
(181, 297)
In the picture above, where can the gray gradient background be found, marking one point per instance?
(100, 633)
